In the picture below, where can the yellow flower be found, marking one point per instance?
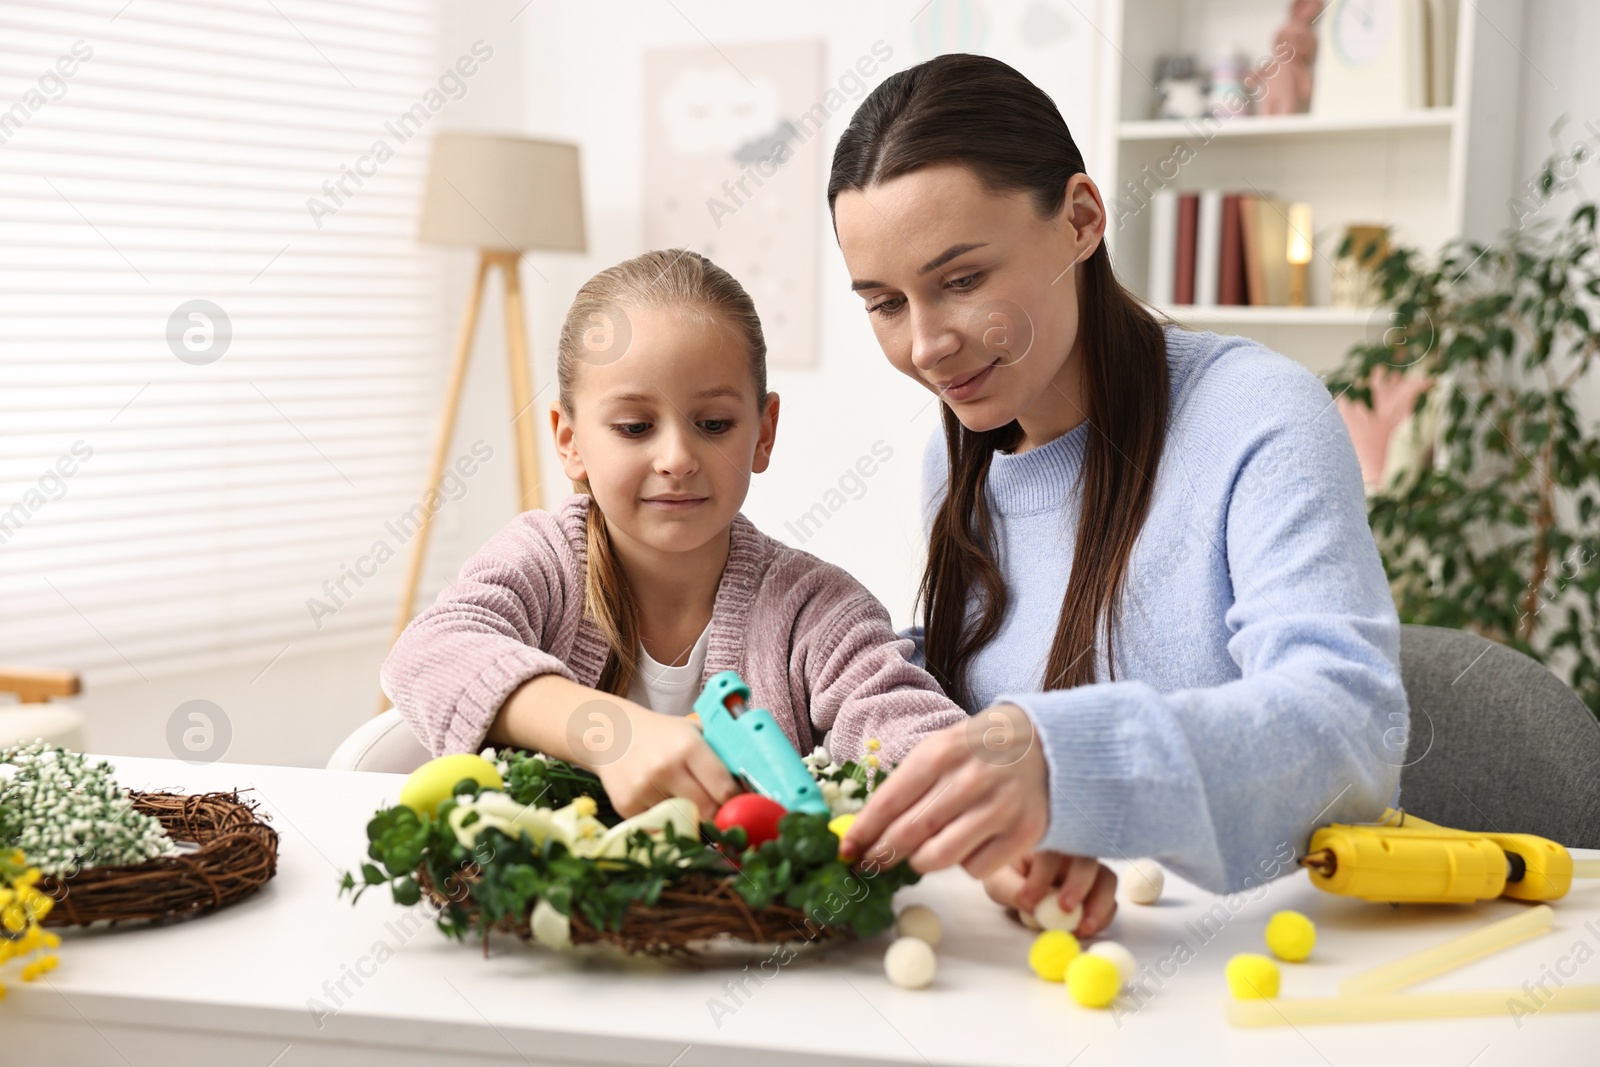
(872, 761)
(872, 744)
(21, 908)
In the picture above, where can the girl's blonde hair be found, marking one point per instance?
(598, 330)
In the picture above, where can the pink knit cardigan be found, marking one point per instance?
(816, 648)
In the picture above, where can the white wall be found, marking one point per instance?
(1561, 84)
(573, 71)
(832, 415)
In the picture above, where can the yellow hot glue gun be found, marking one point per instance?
(1402, 859)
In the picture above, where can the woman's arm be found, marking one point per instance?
(1223, 784)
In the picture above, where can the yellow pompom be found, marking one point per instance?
(1093, 981)
(1291, 936)
(1252, 977)
(1052, 952)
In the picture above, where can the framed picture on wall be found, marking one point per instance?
(1372, 58)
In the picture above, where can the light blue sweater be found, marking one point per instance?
(1257, 692)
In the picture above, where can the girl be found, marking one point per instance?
(1149, 565)
(586, 632)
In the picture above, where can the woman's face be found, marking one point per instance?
(668, 436)
(972, 294)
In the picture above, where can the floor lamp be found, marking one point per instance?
(502, 196)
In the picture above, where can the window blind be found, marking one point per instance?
(213, 397)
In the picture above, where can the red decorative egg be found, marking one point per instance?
(755, 813)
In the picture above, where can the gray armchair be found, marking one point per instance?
(1497, 741)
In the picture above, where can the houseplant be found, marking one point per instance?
(1498, 529)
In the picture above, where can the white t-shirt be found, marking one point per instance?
(670, 690)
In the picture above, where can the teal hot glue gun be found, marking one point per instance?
(753, 746)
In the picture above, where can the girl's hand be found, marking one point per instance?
(974, 794)
(663, 756)
(1074, 879)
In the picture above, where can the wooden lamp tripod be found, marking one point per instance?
(501, 195)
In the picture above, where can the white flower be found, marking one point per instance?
(839, 800)
(551, 928)
(574, 825)
(66, 815)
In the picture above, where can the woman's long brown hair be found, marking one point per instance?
(981, 113)
(683, 281)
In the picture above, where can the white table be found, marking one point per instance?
(234, 987)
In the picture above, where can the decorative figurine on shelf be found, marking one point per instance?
(1181, 91)
(1227, 98)
(1281, 84)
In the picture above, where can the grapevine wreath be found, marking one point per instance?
(523, 843)
(85, 850)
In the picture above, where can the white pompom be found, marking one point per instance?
(910, 963)
(1048, 914)
(1027, 919)
(920, 921)
(1144, 881)
(1127, 966)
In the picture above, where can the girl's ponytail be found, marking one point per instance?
(610, 603)
(597, 331)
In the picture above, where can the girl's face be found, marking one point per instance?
(972, 294)
(668, 434)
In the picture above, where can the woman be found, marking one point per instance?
(1149, 568)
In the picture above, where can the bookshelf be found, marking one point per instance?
(1431, 173)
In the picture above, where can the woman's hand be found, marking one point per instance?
(664, 756)
(1074, 879)
(974, 794)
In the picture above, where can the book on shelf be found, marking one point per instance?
(1163, 239)
(1183, 267)
(1218, 247)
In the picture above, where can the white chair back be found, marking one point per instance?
(382, 743)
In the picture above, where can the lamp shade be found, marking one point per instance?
(512, 193)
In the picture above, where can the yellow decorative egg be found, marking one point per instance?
(1252, 977)
(1093, 980)
(436, 779)
(1051, 953)
(1291, 936)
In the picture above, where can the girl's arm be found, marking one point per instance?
(858, 679)
(474, 668)
(641, 756)
(486, 635)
